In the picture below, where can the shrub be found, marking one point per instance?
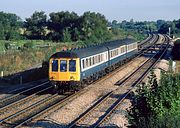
(157, 105)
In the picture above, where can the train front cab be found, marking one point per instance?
(64, 71)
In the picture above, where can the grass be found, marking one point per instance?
(128, 34)
(6, 46)
(15, 61)
(2, 46)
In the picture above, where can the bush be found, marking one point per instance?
(157, 105)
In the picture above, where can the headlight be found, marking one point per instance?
(71, 78)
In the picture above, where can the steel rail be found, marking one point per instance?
(83, 115)
(30, 97)
(58, 104)
(120, 100)
(6, 101)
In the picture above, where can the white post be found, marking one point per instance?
(2, 74)
(169, 31)
(174, 66)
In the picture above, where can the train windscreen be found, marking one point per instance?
(63, 65)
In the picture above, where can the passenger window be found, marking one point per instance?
(102, 57)
(87, 63)
(96, 59)
(99, 58)
(93, 60)
(83, 64)
(54, 65)
(90, 62)
(72, 65)
(63, 65)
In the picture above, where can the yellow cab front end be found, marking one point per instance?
(64, 70)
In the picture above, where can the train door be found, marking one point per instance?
(74, 69)
(54, 69)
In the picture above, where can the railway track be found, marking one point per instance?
(103, 108)
(9, 100)
(24, 103)
(149, 38)
(38, 107)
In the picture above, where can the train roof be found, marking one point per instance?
(92, 50)
(118, 43)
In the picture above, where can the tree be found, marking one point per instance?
(177, 24)
(164, 28)
(36, 25)
(66, 35)
(114, 23)
(94, 25)
(160, 23)
(9, 26)
(59, 22)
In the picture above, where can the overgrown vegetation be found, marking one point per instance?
(16, 61)
(156, 105)
(118, 33)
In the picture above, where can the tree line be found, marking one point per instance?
(68, 26)
(160, 26)
(60, 26)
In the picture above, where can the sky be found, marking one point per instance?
(139, 10)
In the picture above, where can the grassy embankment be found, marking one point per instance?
(16, 60)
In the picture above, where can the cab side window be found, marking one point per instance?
(72, 65)
(54, 65)
(63, 65)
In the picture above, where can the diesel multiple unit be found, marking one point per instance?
(86, 64)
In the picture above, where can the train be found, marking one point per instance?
(76, 67)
